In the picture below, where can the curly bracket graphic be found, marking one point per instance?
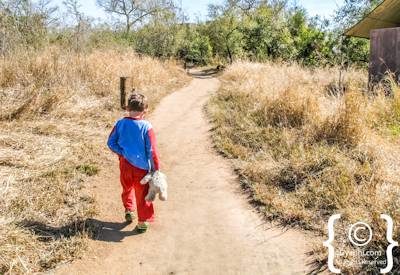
(389, 249)
(328, 243)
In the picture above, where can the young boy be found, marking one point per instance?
(133, 140)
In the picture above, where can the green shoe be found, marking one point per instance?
(128, 216)
(142, 227)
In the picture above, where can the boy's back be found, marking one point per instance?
(134, 140)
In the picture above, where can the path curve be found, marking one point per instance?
(206, 226)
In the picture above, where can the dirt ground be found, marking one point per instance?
(207, 225)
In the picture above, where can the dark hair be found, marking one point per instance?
(137, 103)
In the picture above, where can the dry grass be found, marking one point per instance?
(306, 154)
(56, 111)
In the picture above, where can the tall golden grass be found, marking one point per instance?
(306, 153)
(57, 108)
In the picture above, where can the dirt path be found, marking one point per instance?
(206, 226)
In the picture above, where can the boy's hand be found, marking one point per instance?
(146, 179)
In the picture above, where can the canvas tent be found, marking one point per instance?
(382, 27)
(386, 15)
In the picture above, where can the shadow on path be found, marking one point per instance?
(113, 232)
(95, 229)
(206, 73)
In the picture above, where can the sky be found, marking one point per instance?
(198, 8)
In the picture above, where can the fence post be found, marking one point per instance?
(122, 89)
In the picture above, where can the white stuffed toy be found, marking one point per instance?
(157, 184)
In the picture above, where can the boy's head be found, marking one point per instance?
(137, 103)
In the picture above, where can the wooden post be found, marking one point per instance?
(122, 89)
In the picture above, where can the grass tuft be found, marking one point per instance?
(346, 126)
(88, 169)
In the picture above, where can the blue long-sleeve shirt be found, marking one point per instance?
(134, 139)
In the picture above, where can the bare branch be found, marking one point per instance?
(134, 11)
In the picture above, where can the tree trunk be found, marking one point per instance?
(128, 25)
(229, 54)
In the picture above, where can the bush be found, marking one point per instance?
(195, 48)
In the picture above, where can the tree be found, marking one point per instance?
(352, 11)
(24, 23)
(224, 29)
(267, 35)
(195, 47)
(82, 23)
(45, 8)
(133, 11)
(351, 49)
(309, 39)
(160, 36)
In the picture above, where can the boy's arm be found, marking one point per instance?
(112, 142)
(151, 149)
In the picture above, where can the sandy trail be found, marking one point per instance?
(206, 226)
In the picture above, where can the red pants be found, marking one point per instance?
(130, 180)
